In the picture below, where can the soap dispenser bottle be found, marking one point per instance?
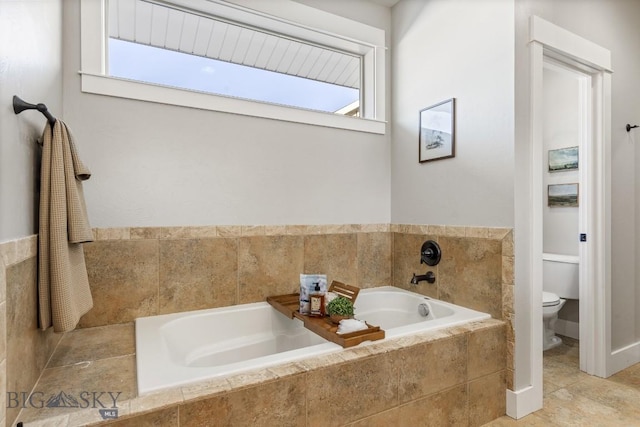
(316, 302)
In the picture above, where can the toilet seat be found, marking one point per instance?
(549, 299)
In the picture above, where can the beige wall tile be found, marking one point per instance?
(197, 274)
(479, 232)
(382, 419)
(436, 230)
(251, 378)
(198, 232)
(509, 378)
(316, 229)
(374, 259)
(123, 233)
(406, 262)
(269, 265)
(3, 282)
(486, 399)
(446, 408)
(507, 270)
(333, 255)
(374, 228)
(28, 348)
(156, 400)
(278, 403)
(87, 344)
(497, 233)
(352, 390)
(123, 275)
(229, 231)
(296, 229)
(252, 230)
(509, 320)
(471, 274)
(275, 230)
(454, 231)
(206, 389)
(432, 367)
(511, 354)
(148, 232)
(507, 244)
(26, 248)
(165, 417)
(93, 418)
(3, 392)
(291, 368)
(3, 330)
(8, 252)
(487, 352)
(508, 292)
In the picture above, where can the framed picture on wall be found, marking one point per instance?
(563, 159)
(563, 195)
(437, 132)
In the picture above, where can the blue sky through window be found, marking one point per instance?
(161, 66)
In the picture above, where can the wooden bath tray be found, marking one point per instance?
(289, 305)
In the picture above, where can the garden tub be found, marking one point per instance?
(182, 348)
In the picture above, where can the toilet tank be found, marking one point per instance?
(560, 275)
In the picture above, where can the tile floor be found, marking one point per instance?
(573, 398)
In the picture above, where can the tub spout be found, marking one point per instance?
(429, 277)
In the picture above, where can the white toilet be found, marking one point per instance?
(559, 282)
(551, 305)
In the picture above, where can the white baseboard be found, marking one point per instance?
(523, 402)
(623, 358)
(568, 328)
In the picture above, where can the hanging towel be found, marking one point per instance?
(63, 286)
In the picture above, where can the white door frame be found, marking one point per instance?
(547, 39)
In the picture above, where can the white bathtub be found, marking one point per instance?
(183, 348)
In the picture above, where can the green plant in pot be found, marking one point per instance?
(340, 308)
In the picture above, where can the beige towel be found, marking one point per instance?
(63, 285)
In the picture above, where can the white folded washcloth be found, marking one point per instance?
(351, 325)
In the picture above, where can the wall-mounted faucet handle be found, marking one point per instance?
(430, 253)
(430, 277)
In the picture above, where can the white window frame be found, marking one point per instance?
(282, 16)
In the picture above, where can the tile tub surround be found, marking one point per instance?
(143, 271)
(134, 270)
(24, 349)
(156, 270)
(453, 376)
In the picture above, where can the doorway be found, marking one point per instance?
(566, 144)
(591, 65)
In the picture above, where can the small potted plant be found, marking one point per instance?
(340, 308)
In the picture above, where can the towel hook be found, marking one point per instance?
(19, 106)
(629, 127)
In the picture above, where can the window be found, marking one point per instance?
(220, 56)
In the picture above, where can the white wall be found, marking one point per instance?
(459, 49)
(161, 165)
(30, 67)
(561, 130)
(613, 25)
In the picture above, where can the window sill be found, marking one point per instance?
(122, 88)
